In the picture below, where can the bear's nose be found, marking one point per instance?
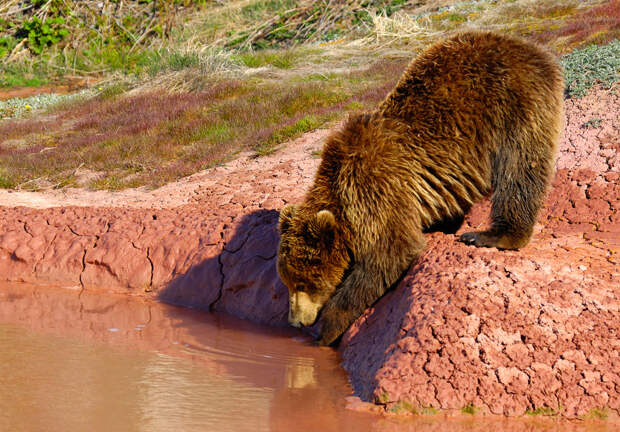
(295, 323)
(292, 320)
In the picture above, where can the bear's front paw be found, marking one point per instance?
(333, 325)
(326, 339)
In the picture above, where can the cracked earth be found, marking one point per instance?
(506, 332)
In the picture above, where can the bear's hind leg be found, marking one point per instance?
(519, 181)
(448, 225)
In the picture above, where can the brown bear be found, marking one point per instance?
(476, 114)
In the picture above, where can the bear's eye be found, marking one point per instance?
(314, 262)
(300, 287)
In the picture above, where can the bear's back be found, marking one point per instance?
(474, 84)
(429, 149)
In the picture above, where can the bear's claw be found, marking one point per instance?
(478, 239)
(468, 238)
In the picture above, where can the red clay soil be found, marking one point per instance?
(506, 332)
(22, 92)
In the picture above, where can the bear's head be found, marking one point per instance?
(312, 260)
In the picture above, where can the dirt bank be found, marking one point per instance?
(503, 331)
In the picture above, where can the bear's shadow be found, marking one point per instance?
(241, 278)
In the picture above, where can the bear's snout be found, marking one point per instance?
(302, 309)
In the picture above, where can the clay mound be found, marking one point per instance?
(504, 331)
(508, 332)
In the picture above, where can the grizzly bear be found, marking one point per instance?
(474, 115)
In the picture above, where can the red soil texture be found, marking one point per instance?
(505, 331)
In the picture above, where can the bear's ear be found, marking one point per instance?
(286, 217)
(324, 228)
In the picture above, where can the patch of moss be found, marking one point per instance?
(429, 410)
(598, 414)
(403, 407)
(383, 398)
(544, 411)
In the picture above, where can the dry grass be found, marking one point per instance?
(597, 25)
(561, 24)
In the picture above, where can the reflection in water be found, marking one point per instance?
(73, 361)
(63, 384)
(299, 376)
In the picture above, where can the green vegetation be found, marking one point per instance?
(593, 123)
(598, 414)
(470, 409)
(288, 132)
(6, 182)
(383, 398)
(403, 407)
(428, 411)
(293, 22)
(46, 40)
(39, 34)
(542, 411)
(591, 65)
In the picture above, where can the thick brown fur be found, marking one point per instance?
(476, 114)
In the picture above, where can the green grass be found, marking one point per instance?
(279, 59)
(150, 38)
(156, 62)
(19, 80)
(23, 75)
(112, 90)
(289, 132)
(261, 8)
(6, 182)
(215, 133)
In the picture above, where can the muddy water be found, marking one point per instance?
(72, 361)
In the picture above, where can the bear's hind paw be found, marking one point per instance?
(485, 239)
(473, 238)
